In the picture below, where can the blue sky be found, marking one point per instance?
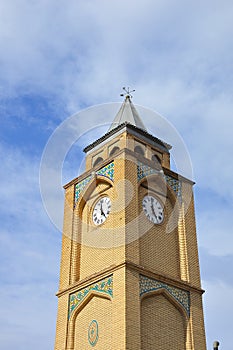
(59, 57)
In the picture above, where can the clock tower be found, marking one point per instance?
(129, 275)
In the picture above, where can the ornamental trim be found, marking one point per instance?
(144, 170)
(104, 286)
(148, 285)
(106, 171)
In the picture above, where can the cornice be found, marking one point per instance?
(132, 266)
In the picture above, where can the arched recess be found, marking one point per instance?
(89, 189)
(154, 181)
(159, 249)
(114, 150)
(97, 161)
(164, 322)
(157, 183)
(89, 257)
(139, 150)
(156, 159)
(96, 306)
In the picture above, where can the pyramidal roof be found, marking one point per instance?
(128, 118)
(127, 114)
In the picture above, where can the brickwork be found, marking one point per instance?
(62, 317)
(126, 246)
(132, 309)
(184, 265)
(159, 250)
(191, 238)
(162, 325)
(197, 322)
(99, 309)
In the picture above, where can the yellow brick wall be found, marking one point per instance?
(132, 310)
(197, 322)
(67, 239)
(163, 327)
(191, 237)
(103, 245)
(61, 327)
(159, 250)
(131, 210)
(119, 310)
(92, 236)
(99, 309)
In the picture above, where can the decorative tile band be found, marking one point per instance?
(104, 286)
(107, 171)
(144, 170)
(174, 184)
(181, 296)
(80, 187)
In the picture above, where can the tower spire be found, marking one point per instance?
(127, 113)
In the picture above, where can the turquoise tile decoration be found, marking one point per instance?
(174, 184)
(93, 332)
(144, 170)
(80, 187)
(107, 171)
(104, 286)
(181, 296)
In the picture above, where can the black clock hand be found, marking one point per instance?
(101, 210)
(152, 209)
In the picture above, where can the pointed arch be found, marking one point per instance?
(169, 297)
(153, 241)
(139, 150)
(80, 222)
(71, 324)
(160, 181)
(94, 182)
(114, 150)
(164, 323)
(86, 300)
(97, 161)
(155, 158)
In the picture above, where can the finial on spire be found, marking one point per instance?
(127, 92)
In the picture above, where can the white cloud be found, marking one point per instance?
(215, 228)
(29, 303)
(84, 51)
(30, 252)
(19, 174)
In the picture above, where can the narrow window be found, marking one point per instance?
(114, 150)
(139, 150)
(97, 161)
(156, 159)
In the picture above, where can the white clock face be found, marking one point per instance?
(153, 209)
(101, 210)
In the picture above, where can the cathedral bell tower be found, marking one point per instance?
(129, 274)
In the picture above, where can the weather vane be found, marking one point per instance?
(127, 92)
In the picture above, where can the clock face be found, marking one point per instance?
(101, 210)
(153, 209)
